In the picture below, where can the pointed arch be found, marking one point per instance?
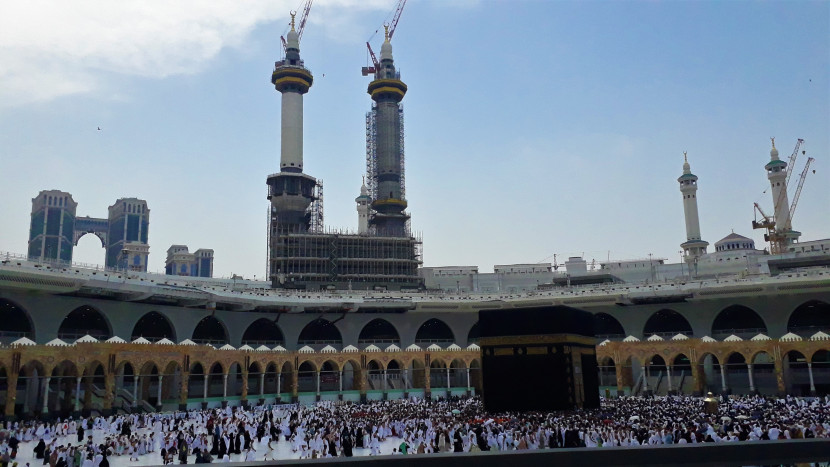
(210, 330)
(434, 331)
(809, 318)
(153, 326)
(16, 322)
(667, 323)
(82, 321)
(320, 332)
(263, 331)
(379, 332)
(607, 327)
(739, 320)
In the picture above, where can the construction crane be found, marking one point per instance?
(390, 31)
(801, 179)
(303, 18)
(778, 238)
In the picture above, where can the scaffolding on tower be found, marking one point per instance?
(315, 210)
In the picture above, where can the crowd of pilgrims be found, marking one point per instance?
(330, 429)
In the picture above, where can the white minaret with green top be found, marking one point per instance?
(694, 247)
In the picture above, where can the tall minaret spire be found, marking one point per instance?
(693, 247)
(777, 176)
(363, 208)
(387, 91)
(290, 190)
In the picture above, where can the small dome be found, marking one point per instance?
(386, 50)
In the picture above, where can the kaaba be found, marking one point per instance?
(538, 358)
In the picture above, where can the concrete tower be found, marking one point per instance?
(290, 191)
(363, 210)
(387, 91)
(777, 175)
(693, 247)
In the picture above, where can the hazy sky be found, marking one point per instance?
(532, 127)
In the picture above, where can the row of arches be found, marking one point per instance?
(211, 330)
(65, 388)
(740, 320)
(734, 372)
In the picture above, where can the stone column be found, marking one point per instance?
(697, 377)
(158, 394)
(11, 395)
(109, 397)
(618, 369)
(205, 392)
(448, 379)
(87, 394)
(46, 394)
(135, 390)
(77, 394)
(723, 378)
(812, 383)
(427, 382)
(384, 381)
(225, 386)
(668, 378)
(279, 384)
(262, 387)
(751, 379)
(645, 379)
(295, 388)
(183, 390)
(468, 380)
(244, 396)
(341, 380)
(779, 376)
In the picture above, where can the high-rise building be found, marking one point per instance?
(129, 224)
(52, 227)
(180, 262)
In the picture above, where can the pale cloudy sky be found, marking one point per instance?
(532, 127)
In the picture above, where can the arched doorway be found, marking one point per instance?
(197, 382)
(737, 377)
(810, 318)
(666, 324)
(210, 331)
(607, 327)
(380, 333)
(437, 376)
(796, 374)
(62, 387)
(82, 321)
(153, 326)
(307, 377)
(329, 377)
(434, 331)
(473, 335)
(320, 333)
(820, 366)
(263, 332)
(712, 374)
(763, 374)
(16, 322)
(681, 374)
(739, 320)
(607, 372)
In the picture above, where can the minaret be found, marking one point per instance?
(363, 210)
(387, 90)
(693, 247)
(777, 175)
(290, 191)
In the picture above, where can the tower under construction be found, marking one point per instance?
(302, 253)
